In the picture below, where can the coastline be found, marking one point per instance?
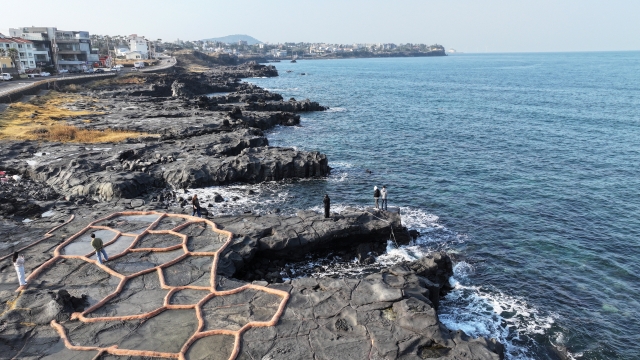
(196, 141)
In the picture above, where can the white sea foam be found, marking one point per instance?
(336, 109)
(282, 90)
(493, 314)
(265, 198)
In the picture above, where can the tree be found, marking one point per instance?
(3, 52)
(13, 54)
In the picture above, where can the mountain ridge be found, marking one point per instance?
(235, 38)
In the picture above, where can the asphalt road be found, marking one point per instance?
(15, 84)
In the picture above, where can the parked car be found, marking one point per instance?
(44, 73)
(75, 71)
(98, 71)
(62, 71)
(119, 66)
(89, 71)
(6, 77)
(134, 69)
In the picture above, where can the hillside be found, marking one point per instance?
(235, 38)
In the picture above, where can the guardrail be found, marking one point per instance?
(34, 84)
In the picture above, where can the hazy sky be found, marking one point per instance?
(466, 25)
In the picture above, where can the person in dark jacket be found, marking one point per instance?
(98, 246)
(196, 206)
(327, 205)
(376, 195)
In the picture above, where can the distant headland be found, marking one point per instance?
(247, 46)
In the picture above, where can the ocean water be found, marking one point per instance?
(524, 167)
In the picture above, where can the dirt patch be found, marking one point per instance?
(196, 61)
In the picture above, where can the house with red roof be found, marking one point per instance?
(25, 59)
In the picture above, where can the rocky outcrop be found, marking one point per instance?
(263, 244)
(291, 106)
(189, 144)
(390, 314)
(386, 315)
(129, 170)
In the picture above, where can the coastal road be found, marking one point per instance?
(8, 87)
(164, 64)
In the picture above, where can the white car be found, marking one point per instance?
(6, 77)
(44, 73)
(63, 71)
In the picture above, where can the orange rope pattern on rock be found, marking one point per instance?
(200, 332)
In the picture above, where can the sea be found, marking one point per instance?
(525, 168)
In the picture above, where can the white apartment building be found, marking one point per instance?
(24, 48)
(139, 44)
(63, 49)
(279, 53)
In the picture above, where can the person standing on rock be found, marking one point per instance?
(376, 195)
(196, 206)
(18, 263)
(327, 205)
(97, 245)
(383, 195)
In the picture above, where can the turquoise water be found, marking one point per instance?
(523, 166)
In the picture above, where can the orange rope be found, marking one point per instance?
(200, 333)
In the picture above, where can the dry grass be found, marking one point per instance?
(42, 119)
(69, 133)
(128, 79)
(72, 88)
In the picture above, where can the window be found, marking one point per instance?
(28, 46)
(31, 62)
(19, 46)
(21, 54)
(30, 55)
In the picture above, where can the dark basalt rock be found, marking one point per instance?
(201, 141)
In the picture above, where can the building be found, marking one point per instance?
(134, 55)
(25, 59)
(122, 51)
(59, 48)
(6, 64)
(106, 61)
(279, 53)
(41, 39)
(138, 44)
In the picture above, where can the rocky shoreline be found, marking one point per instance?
(200, 129)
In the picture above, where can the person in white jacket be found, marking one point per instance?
(383, 195)
(18, 263)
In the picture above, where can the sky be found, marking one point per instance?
(465, 25)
